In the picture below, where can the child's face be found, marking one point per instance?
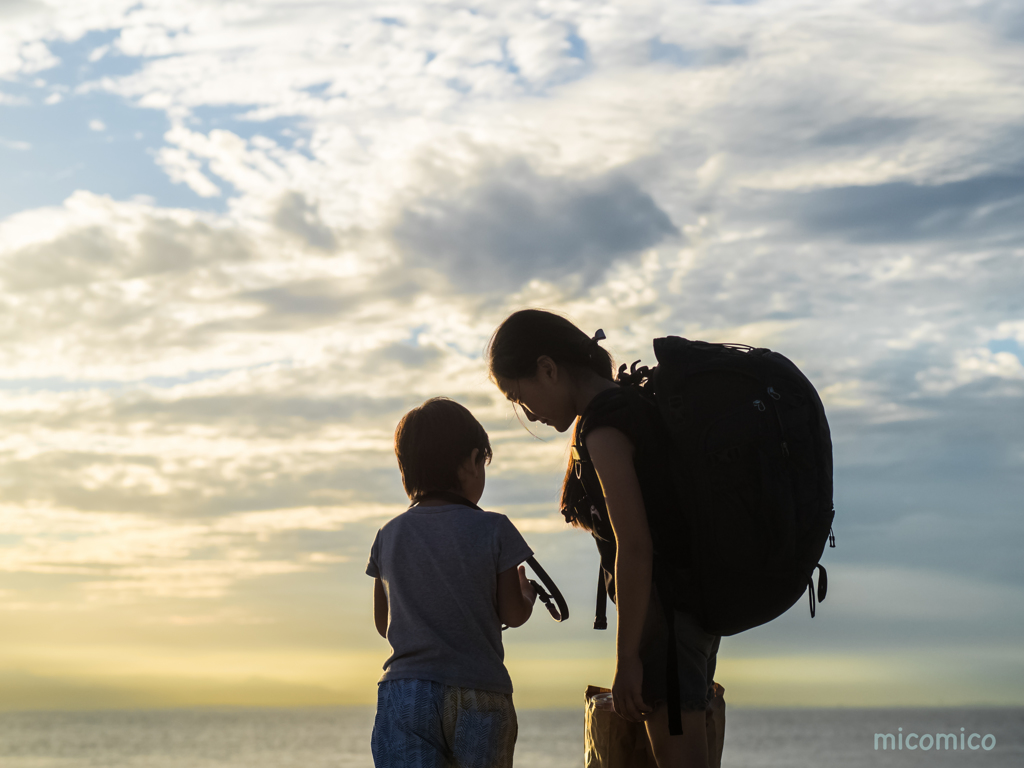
(545, 397)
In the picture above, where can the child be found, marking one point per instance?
(556, 373)
(445, 579)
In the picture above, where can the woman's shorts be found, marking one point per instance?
(697, 655)
(423, 724)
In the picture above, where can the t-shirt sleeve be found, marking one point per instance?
(373, 563)
(512, 547)
(613, 409)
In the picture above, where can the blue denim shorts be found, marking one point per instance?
(424, 724)
(696, 653)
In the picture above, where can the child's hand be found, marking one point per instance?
(529, 593)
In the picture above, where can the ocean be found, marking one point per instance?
(339, 738)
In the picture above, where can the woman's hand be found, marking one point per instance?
(627, 699)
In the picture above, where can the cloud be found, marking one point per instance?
(297, 216)
(87, 255)
(16, 9)
(185, 169)
(210, 398)
(175, 487)
(514, 225)
(973, 366)
(18, 146)
(307, 303)
(977, 209)
(267, 414)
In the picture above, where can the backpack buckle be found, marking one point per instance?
(577, 463)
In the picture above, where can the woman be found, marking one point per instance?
(556, 373)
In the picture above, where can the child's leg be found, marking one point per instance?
(480, 727)
(407, 729)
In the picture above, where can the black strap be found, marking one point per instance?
(558, 609)
(822, 586)
(559, 613)
(675, 713)
(601, 614)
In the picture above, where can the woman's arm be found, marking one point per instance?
(380, 608)
(516, 596)
(612, 454)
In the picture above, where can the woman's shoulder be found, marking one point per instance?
(623, 407)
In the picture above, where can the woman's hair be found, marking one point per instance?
(530, 333)
(512, 354)
(431, 441)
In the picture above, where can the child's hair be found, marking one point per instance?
(512, 354)
(431, 441)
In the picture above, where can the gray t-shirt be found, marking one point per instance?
(439, 566)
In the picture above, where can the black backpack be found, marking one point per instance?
(751, 459)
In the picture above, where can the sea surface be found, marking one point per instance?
(339, 738)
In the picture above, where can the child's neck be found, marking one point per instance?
(433, 501)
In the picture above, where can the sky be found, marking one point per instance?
(239, 240)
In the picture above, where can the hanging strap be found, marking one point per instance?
(552, 597)
(822, 586)
(675, 714)
(601, 612)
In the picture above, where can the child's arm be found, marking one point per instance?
(516, 596)
(380, 608)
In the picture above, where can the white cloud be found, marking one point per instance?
(970, 366)
(36, 56)
(182, 168)
(187, 395)
(17, 146)
(1010, 329)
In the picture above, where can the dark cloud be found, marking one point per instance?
(297, 216)
(83, 256)
(677, 55)
(314, 298)
(1009, 20)
(407, 355)
(515, 225)
(92, 255)
(166, 246)
(989, 208)
(868, 131)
